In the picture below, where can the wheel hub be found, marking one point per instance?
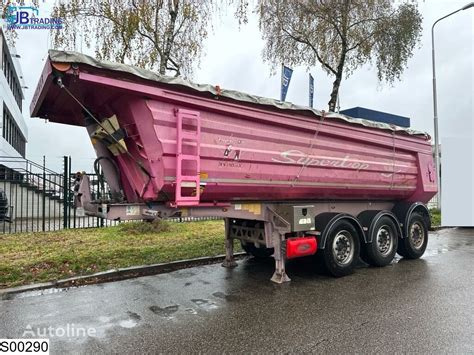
(417, 235)
(343, 248)
(384, 241)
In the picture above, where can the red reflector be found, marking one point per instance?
(297, 247)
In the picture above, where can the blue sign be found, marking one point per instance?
(27, 17)
(285, 81)
(311, 90)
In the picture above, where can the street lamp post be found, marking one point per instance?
(435, 103)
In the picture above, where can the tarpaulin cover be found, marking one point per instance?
(75, 57)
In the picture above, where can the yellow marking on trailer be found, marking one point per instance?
(254, 208)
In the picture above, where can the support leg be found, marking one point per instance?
(229, 261)
(279, 276)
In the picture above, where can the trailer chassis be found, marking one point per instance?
(269, 225)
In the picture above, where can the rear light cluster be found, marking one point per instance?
(302, 246)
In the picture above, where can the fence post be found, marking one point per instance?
(70, 196)
(44, 195)
(65, 191)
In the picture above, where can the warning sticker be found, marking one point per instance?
(132, 211)
(254, 208)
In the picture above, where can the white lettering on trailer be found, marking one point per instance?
(304, 221)
(294, 156)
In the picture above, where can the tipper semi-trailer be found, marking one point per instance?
(290, 181)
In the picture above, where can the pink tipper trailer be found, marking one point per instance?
(289, 180)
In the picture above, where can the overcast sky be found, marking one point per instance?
(232, 59)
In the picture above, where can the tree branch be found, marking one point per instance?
(304, 41)
(376, 19)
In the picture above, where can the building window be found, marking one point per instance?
(11, 76)
(11, 132)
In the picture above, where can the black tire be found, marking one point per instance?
(414, 244)
(258, 252)
(342, 248)
(382, 249)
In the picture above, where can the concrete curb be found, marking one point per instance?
(116, 275)
(125, 273)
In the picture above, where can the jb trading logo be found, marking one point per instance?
(27, 17)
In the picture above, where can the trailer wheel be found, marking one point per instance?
(258, 252)
(382, 249)
(414, 244)
(342, 249)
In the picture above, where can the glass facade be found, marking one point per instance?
(10, 74)
(12, 133)
(13, 125)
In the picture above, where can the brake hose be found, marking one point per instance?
(139, 164)
(100, 176)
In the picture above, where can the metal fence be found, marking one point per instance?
(433, 203)
(194, 219)
(34, 198)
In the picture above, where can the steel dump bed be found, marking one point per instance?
(187, 144)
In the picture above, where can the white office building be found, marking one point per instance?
(14, 131)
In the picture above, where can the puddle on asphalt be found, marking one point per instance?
(134, 316)
(182, 274)
(129, 323)
(429, 253)
(224, 296)
(439, 244)
(97, 329)
(165, 312)
(169, 312)
(107, 323)
(204, 304)
(47, 291)
(434, 252)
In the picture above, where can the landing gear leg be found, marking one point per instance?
(279, 276)
(229, 261)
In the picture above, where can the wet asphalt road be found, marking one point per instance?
(418, 306)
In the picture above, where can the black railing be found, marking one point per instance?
(34, 198)
(194, 219)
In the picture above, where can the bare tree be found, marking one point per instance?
(162, 35)
(341, 35)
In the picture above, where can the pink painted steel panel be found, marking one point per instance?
(246, 151)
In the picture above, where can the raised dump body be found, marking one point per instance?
(247, 148)
(166, 144)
